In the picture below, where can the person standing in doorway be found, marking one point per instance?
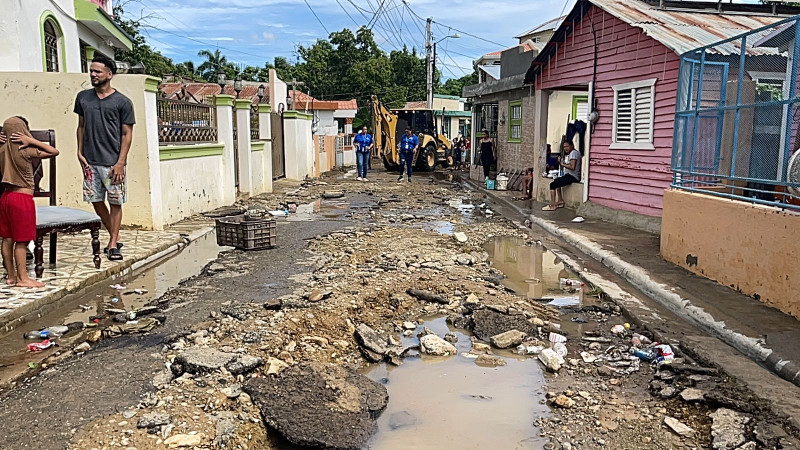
(105, 133)
(409, 144)
(364, 144)
(488, 155)
(572, 174)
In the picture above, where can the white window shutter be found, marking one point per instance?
(625, 116)
(643, 114)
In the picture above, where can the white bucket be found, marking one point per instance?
(502, 182)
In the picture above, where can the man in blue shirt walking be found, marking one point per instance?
(409, 144)
(364, 144)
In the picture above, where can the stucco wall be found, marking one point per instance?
(513, 155)
(191, 185)
(750, 248)
(326, 124)
(298, 147)
(47, 101)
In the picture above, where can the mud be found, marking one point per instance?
(376, 242)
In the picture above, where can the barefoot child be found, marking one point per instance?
(17, 210)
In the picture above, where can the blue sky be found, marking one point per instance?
(250, 32)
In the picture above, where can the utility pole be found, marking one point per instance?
(429, 61)
(294, 83)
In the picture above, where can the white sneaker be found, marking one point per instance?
(364, 180)
(400, 180)
(359, 179)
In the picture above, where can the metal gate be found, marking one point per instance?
(235, 150)
(278, 167)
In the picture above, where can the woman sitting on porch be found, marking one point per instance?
(572, 174)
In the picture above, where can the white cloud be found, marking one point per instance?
(268, 36)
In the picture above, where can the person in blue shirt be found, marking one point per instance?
(409, 144)
(364, 144)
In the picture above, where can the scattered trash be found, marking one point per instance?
(638, 340)
(618, 329)
(33, 365)
(565, 302)
(279, 213)
(588, 358)
(114, 300)
(39, 346)
(47, 333)
(578, 219)
(85, 307)
(529, 349)
(647, 355)
(140, 291)
(118, 287)
(665, 353)
(560, 349)
(570, 282)
(557, 338)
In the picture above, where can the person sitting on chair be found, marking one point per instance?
(572, 174)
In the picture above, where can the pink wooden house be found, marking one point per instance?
(625, 55)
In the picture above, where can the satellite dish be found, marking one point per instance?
(793, 173)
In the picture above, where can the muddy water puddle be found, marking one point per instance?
(329, 209)
(128, 293)
(451, 402)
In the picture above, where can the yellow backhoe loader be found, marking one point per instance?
(388, 125)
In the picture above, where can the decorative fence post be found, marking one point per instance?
(243, 149)
(224, 105)
(265, 133)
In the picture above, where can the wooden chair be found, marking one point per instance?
(53, 219)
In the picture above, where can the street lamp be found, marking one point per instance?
(221, 79)
(237, 85)
(261, 92)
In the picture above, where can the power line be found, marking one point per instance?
(348, 13)
(317, 17)
(206, 43)
(453, 28)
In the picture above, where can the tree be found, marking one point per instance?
(154, 62)
(455, 86)
(215, 63)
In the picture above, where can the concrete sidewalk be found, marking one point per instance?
(74, 269)
(764, 334)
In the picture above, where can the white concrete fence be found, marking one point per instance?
(166, 183)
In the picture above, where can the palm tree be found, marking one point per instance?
(215, 62)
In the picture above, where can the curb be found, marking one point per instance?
(44, 305)
(682, 307)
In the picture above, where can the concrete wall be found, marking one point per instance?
(191, 185)
(298, 145)
(47, 100)
(325, 123)
(277, 92)
(514, 155)
(751, 248)
(21, 35)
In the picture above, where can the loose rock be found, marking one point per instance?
(303, 401)
(508, 339)
(432, 344)
(677, 426)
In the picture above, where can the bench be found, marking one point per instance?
(52, 219)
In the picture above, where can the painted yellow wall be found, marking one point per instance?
(752, 248)
(191, 185)
(47, 101)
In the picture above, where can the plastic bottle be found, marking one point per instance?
(569, 282)
(42, 334)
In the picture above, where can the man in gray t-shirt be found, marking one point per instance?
(105, 132)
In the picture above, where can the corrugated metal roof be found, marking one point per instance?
(551, 24)
(686, 30)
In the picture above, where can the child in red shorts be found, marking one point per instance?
(17, 210)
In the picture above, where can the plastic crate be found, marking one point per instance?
(246, 233)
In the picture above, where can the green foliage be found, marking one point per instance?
(154, 62)
(455, 86)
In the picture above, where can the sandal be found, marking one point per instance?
(549, 208)
(119, 247)
(114, 254)
(560, 205)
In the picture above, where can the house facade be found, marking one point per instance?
(624, 57)
(58, 35)
(452, 117)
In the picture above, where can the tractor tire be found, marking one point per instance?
(389, 166)
(427, 160)
(448, 159)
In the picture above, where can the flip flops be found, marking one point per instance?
(114, 254)
(549, 208)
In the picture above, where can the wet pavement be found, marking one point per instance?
(130, 293)
(451, 402)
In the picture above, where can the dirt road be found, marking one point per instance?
(411, 314)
